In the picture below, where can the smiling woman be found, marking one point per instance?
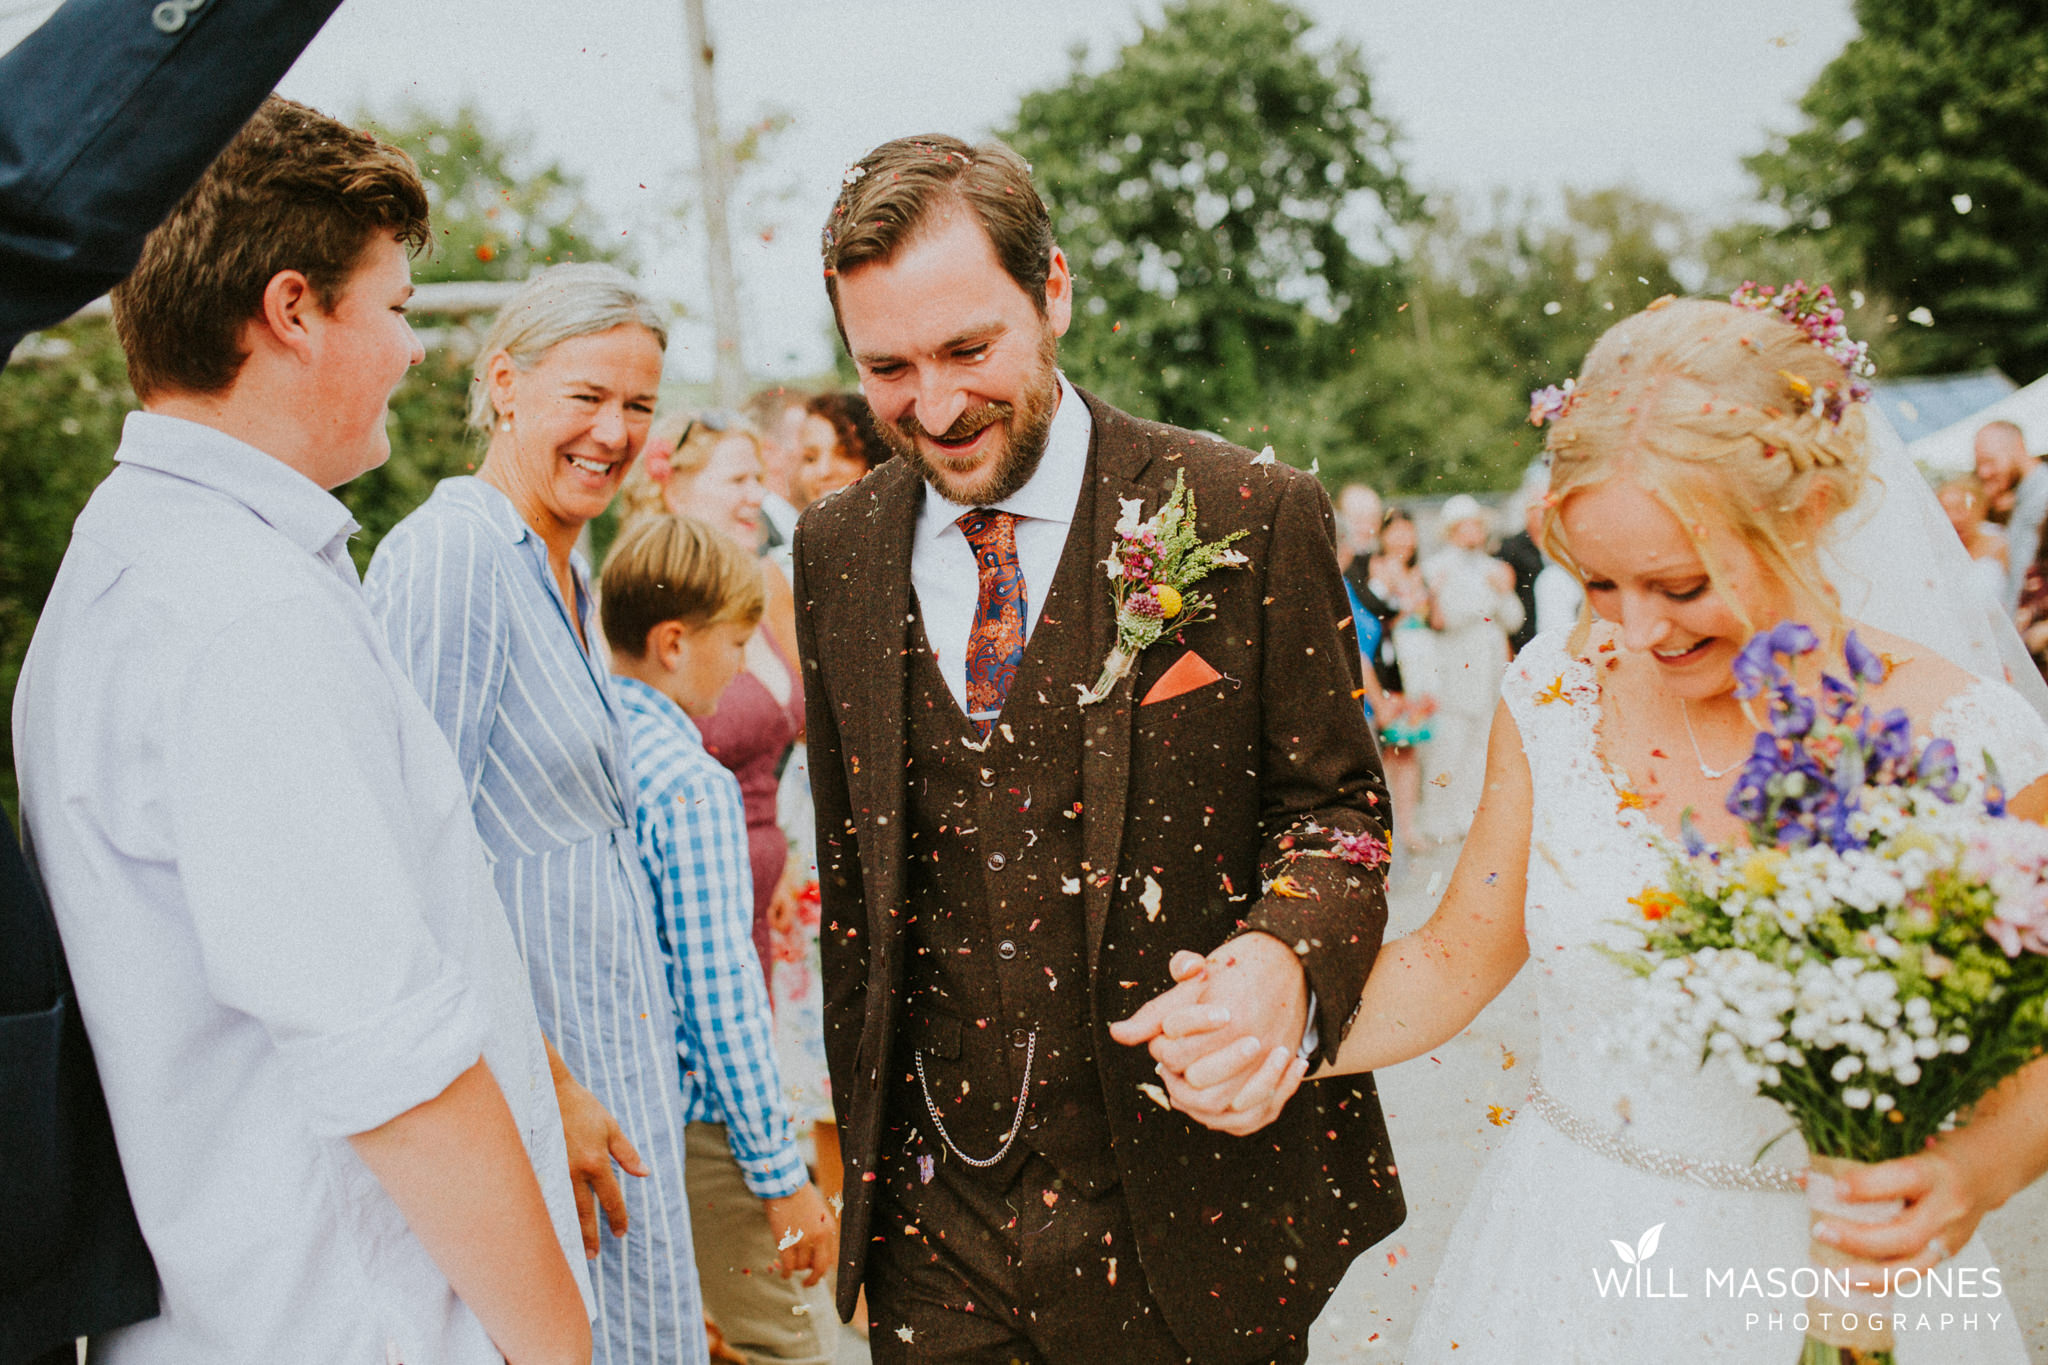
(488, 606)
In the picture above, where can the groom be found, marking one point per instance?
(1006, 872)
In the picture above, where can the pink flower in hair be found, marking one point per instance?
(658, 467)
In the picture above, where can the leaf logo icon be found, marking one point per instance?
(1643, 1250)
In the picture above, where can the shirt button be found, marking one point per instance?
(988, 777)
(1006, 950)
(1018, 1037)
(996, 861)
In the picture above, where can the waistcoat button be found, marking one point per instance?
(996, 861)
(1006, 950)
(1019, 1037)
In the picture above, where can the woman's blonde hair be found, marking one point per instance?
(559, 303)
(1711, 408)
(670, 568)
(679, 445)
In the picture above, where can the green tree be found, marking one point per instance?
(1231, 206)
(496, 217)
(1924, 155)
(1496, 306)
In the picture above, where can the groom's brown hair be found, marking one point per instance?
(890, 193)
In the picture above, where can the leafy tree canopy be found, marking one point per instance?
(496, 217)
(1925, 155)
(1230, 203)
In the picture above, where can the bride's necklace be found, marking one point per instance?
(1711, 774)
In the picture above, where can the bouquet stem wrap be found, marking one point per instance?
(1853, 1327)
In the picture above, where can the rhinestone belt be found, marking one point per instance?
(1714, 1175)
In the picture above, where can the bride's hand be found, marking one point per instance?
(1942, 1211)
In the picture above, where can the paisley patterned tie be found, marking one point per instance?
(995, 643)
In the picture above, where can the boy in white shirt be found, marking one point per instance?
(329, 1089)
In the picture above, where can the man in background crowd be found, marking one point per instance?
(2017, 486)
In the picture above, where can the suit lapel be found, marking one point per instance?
(1119, 463)
(877, 640)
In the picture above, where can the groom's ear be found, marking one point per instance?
(1059, 294)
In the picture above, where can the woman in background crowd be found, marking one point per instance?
(708, 466)
(836, 445)
(1474, 610)
(488, 606)
(1391, 588)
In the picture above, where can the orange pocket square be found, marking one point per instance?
(1189, 672)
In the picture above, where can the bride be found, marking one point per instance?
(1695, 488)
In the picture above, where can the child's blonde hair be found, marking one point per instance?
(679, 445)
(670, 568)
(1711, 408)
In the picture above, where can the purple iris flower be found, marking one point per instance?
(1756, 667)
(1836, 696)
(1994, 789)
(1864, 664)
(1792, 715)
(1889, 739)
(1938, 768)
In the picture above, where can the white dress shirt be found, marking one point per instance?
(943, 571)
(280, 921)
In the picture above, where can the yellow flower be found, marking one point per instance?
(1169, 601)
(1499, 1115)
(1760, 871)
(1554, 692)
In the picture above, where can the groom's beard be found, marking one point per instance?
(1022, 431)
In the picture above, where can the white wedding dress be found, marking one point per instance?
(1522, 1278)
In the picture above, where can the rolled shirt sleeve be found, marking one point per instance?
(301, 868)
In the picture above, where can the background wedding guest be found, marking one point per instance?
(1556, 597)
(777, 414)
(836, 445)
(1390, 586)
(1522, 551)
(1474, 609)
(1359, 513)
(680, 601)
(319, 1049)
(1965, 502)
(488, 606)
(708, 466)
(2017, 487)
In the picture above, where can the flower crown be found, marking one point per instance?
(1810, 308)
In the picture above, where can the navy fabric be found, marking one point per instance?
(108, 112)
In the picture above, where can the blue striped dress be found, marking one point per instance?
(463, 591)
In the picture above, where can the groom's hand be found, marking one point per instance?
(1225, 1036)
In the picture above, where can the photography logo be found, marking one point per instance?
(1633, 1280)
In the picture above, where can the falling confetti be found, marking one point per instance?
(1507, 1059)
(1155, 1094)
(1499, 1115)
(1440, 780)
(905, 1334)
(1150, 899)
(790, 1237)
(926, 1168)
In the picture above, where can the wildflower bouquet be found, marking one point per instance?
(1153, 567)
(1875, 959)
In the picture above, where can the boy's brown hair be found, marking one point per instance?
(670, 568)
(295, 190)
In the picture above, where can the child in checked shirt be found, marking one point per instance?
(680, 600)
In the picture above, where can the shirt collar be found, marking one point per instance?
(1054, 489)
(490, 501)
(286, 500)
(639, 697)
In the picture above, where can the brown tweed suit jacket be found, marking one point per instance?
(1242, 1239)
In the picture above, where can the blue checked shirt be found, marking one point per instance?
(692, 832)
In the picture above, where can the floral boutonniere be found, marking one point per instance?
(1152, 566)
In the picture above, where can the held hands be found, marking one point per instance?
(1226, 1035)
(806, 1233)
(595, 1141)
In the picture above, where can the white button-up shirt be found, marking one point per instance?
(942, 566)
(279, 918)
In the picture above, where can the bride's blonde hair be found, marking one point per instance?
(1711, 408)
(679, 445)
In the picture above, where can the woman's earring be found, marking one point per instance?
(504, 424)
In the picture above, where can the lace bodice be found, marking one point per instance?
(1590, 850)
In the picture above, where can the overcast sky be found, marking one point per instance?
(1531, 95)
